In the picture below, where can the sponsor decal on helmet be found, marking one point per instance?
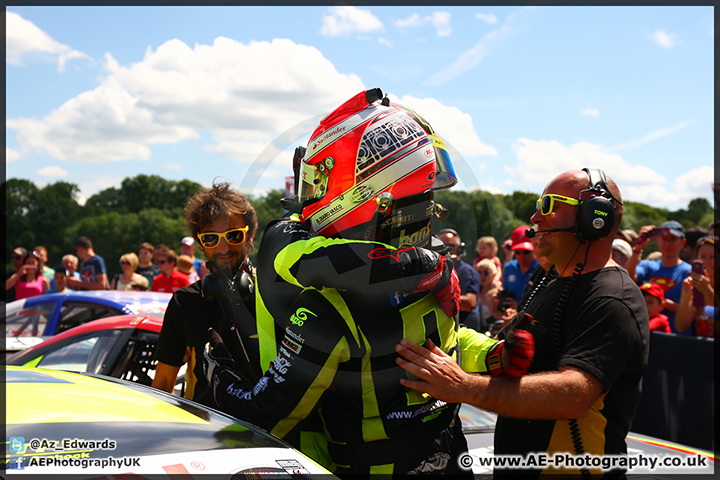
(328, 214)
(397, 220)
(318, 142)
(361, 193)
(301, 314)
(416, 237)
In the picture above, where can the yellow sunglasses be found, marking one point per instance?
(236, 236)
(546, 203)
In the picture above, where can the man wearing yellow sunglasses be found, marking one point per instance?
(224, 223)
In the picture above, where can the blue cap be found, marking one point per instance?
(674, 228)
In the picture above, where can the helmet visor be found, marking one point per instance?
(313, 181)
(445, 176)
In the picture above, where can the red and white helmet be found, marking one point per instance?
(365, 153)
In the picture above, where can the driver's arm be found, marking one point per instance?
(165, 377)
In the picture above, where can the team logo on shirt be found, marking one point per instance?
(301, 314)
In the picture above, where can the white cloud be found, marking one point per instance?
(385, 41)
(177, 91)
(695, 183)
(650, 137)
(439, 20)
(414, 20)
(539, 161)
(24, 38)
(451, 123)
(664, 39)
(53, 172)
(173, 165)
(12, 155)
(486, 17)
(470, 59)
(688, 186)
(346, 20)
(590, 112)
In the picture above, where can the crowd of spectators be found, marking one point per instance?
(156, 268)
(664, 275)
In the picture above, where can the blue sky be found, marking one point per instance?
(98, 94)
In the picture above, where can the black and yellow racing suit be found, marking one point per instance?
(337, 358)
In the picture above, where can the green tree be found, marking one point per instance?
(522, 205)
(57, 207)
(20, 211)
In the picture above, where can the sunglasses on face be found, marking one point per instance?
(522, 252)
(162, 262)
(124, 263)
(235, 236)
(546, 203)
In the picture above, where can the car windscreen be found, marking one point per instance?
(29, 321)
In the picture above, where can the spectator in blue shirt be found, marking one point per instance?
(669, 271)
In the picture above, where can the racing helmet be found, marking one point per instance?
(364, 156)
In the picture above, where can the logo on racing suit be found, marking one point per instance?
(291, 345)
(300, 315)
(381, 252)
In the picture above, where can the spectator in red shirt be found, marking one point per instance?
(655, 301)
(170, 279)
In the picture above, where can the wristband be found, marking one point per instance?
(637, 251)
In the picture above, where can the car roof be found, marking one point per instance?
(128, 301)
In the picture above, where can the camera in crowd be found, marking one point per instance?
(504, 294)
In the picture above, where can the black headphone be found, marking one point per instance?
(461, 250)
(216, 284)
(596, 215)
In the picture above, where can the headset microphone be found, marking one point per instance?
(530, 233)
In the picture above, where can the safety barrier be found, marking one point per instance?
(678, 397)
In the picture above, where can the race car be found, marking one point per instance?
(31, 320)
(121, 346)
(96, 427)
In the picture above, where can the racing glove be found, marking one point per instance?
(442, 280)
(218, 366)
(512, 357)
(216, 356)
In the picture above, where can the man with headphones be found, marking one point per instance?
(591, 333)
(224, 223)
(469, 280)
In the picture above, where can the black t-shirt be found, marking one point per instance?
(604, 331)
(187, 319)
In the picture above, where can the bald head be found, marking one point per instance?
(575, 183)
